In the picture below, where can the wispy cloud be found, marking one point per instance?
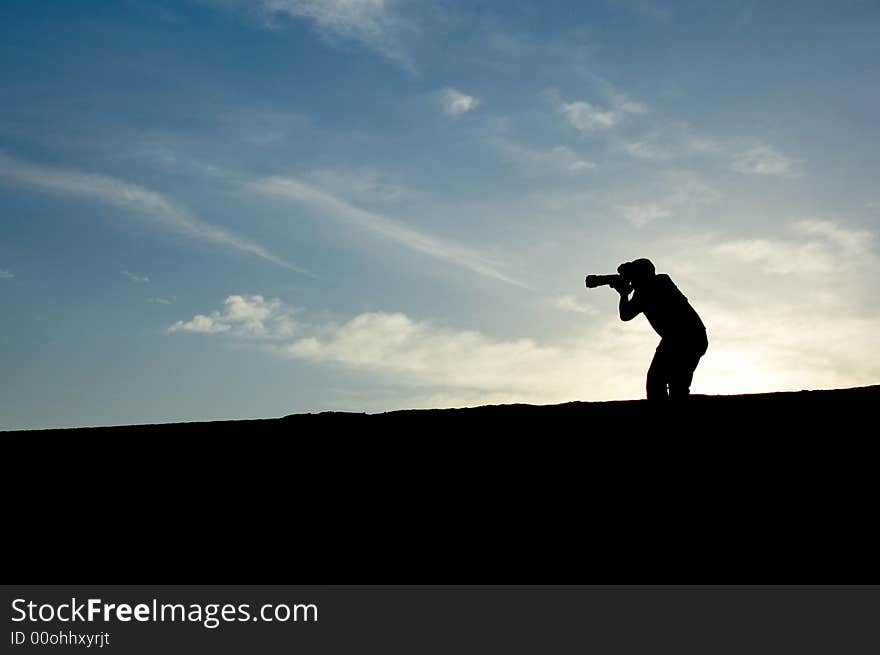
(813, 247)
(688, 189)
(428, 354)
(572, 304)
(455, 103)
(464, 363)
(376, 24)
(6, 275)
(265, 128)
(244, 316)
(621, 102)
(558, 160)
(160, 301)
(641, 215)
(853, 241)
(142, 202)
(297, 191)
(765, 160)
(670, 139)
(681, 191)
(644, 150)
(586, 117)
(364, 183)
(170, 158)
(137, 279)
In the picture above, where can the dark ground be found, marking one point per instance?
(761, 489)
(794, 413)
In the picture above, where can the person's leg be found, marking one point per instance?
(683, 362)
(658, 374)
(682, 374)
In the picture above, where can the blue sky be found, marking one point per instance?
(229, 209)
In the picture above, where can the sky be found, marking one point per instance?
(221, 209)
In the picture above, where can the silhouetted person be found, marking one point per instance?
(683, 336)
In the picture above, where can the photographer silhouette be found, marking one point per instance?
(683, 338)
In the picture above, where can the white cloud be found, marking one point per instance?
(689, 190)
(614, 97)
(764, 160)
(363, 183)
(644, 150)
(171, 158)
(587, 118)
(137, 279)
(806, 328)
(266, 128)
(627, 105)
(142, 202)
(779, 257)
(768, 331)
(695, 143)
(244, 316)
(559, 159)
(455, 103)
(669, 140)
(572, 304)
(426, 353)
(200, 323)
(641, 215)
(672, 193)
(576, 165)
(464, 363)
(5, 275)
(374, 23)
(410, 238)
(566, 203)
(815, 247)
(850, 240)
(620, 101)
(678, 191)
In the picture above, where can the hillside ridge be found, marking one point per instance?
(792, 407)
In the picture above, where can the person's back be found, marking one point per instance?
(683, 335)
(667, 309)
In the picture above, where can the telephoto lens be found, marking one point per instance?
(593, 281)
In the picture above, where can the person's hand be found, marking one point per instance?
(622, 287)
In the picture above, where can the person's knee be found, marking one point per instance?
(681, 378)
(655, 386)
(658, 393)
(679, 390)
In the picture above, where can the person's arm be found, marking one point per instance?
(629, 309)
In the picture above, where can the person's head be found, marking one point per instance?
(637, 272)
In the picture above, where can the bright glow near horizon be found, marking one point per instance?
(229, 209)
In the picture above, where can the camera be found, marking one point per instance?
(613, 281)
